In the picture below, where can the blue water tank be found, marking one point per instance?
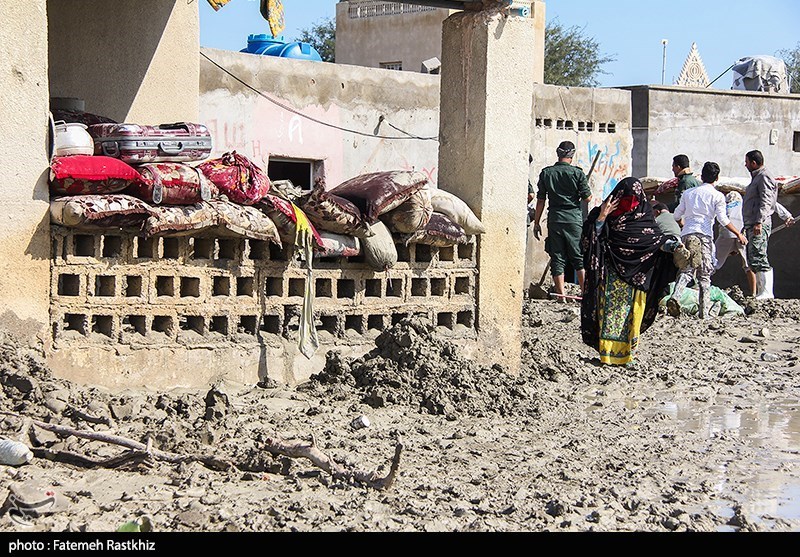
(267, 45)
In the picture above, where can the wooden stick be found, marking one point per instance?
(300, 449)
(207, 460)
(67, 457)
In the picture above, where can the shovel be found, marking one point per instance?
(536, 292)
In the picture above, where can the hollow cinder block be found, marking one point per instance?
(216, 279)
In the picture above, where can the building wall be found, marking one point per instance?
(353, 97)
(24, 247)
(719, 126)
(130, 60)
(371, 33)
(340, 115)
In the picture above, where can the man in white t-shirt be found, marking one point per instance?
(698, 209)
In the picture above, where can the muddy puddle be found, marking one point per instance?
(764, 485)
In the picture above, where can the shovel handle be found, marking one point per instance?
(544, 274)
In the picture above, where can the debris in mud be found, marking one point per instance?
(412, 366)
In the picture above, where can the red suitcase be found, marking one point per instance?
(134, 144)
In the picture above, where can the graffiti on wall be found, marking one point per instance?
(270, 132)
(265, 131)
(610, 170)
(385, 150)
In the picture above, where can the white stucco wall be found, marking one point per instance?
(24, 247)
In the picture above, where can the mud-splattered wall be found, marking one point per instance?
(349, 119)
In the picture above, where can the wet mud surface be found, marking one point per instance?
(701, 433)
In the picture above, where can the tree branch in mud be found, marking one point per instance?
(209, 461)
(300, 449)
(135, 458)
(141, 452)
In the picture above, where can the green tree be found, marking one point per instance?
(792, 58)
(571, 58)
(322, 36)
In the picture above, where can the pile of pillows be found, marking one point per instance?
(166, 198)
(231, 195)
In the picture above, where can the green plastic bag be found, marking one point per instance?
(721, 303)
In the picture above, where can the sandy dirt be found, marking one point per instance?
(691, 437)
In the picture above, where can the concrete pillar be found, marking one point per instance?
(485, 135)
(24, 197)
(539, 24)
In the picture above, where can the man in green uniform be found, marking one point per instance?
(686, 178)
(564, 187)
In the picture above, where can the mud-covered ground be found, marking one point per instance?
(700, 434)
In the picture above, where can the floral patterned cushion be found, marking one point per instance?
(334, 214)
(99, 211)
(412, 214)
(172, 183)
(379, 192)
(237, 177)
(245, 221)
(180, 220)
(440, 231)
(338, 245)
(282, 214)
(90, 174)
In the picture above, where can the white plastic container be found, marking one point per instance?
(72, 139)
(14, 453)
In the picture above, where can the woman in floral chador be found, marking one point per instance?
(628, 265)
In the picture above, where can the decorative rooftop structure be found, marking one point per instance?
(694, 72)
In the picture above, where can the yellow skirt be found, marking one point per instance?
(621, 311)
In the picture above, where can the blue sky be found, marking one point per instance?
(629, 30)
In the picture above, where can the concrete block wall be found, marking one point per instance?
(116, 291)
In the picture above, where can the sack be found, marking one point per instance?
(334, 214)
(99, 211)
(379, 250)
(457, 211)
(412, 214)
(241, 220)
(88, 174)
(440, 231)
(237, 177)
(379, 192)
(337, 245)
(180, 220)
(172, 183)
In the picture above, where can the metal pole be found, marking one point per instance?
(664, 42)
(720, 75)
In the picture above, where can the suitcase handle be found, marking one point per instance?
(110, 148)
(171, 147)
(178, 126)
